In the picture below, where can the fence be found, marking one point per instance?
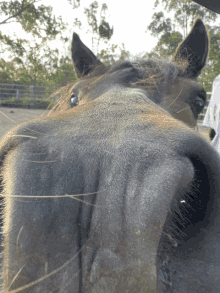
(202, 115)
(33, 92)
(8, 91)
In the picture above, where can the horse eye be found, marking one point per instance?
(199, 101)
(74, 100)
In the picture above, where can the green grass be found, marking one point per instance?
(27, 103)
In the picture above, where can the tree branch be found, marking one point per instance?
(9, 22)
(19, 12)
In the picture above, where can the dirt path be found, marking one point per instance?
(19, 115)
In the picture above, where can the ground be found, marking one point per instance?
(8, 115)
(204, 131)
(19, 115)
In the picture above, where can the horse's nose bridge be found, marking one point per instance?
(141, 211)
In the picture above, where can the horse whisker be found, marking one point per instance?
(49, 196)
(183, 109)
(20, 135)
(15, 278)
(45, 276)
(19, 123)
(174, 99)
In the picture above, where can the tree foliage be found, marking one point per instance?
(37, 20)
(213, 66)
(36, 63)
(186, 11)
(172, 31)
(75, 3)
(109, 55)
(35, 71)
(100, 30)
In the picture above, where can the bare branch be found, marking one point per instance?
(8, 22)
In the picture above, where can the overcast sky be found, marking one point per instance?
(129, 18)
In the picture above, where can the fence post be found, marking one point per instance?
(7, 91)
(202, 115)
(17, 94)
(56, 98)
(32, 90)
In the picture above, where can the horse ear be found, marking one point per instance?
(84, 60)
(195, 49)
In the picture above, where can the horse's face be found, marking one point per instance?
(184, 99)
(119, 195)
(173, 88)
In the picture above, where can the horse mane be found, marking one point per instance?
(155, 75)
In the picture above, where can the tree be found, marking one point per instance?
(74, 3)
(36, 63)
(39, 21)
(7, 71)
(48, 71)
(101, 31)
(213, 66)
(169, 37)
(109, 55)
(64, 72)
(185, 13)
(172, 32)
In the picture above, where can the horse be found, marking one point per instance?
(114, 190)
(211, 4)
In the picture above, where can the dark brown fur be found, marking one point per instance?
(112, 192)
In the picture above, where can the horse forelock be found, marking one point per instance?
(154, 75)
